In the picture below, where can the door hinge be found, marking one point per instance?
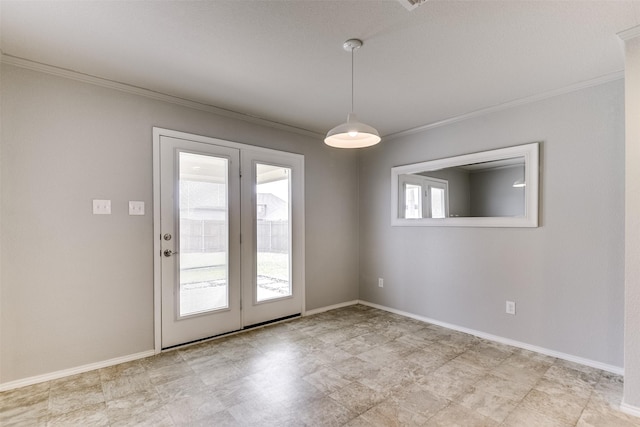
(240, 304)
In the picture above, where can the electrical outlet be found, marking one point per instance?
(510, 307)
(380, 282)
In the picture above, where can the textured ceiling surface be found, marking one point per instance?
(283, 61)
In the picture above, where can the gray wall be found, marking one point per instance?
(567, 276)
(77, 288)
(492, 192)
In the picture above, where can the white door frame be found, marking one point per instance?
(157, 266)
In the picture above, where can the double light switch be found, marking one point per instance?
(103, 207)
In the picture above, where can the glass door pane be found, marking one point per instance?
(437, 202)
(204, 223)
(273, 232)
(413, 201)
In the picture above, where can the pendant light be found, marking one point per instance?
(352, 134)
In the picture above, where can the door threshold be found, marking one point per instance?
(269, 322)
(213, 337)
(237, 331)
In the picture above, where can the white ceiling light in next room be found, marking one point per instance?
(352, 134)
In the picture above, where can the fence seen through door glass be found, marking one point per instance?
(273, 232)
(204, 225)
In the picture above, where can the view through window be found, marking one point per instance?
(273, 232)
(204, 284)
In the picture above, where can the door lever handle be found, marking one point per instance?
(169, 252)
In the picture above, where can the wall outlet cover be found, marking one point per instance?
(510, 307)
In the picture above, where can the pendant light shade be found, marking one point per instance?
(353, 133)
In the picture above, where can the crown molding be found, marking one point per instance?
(630, 33)
(618, 75)
(123, 87)
(147, 93)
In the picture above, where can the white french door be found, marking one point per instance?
(229, 244)
(199, 240)
(273, 236)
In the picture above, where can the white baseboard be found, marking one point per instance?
(587, 362)
(111, 362)
(73, 371)
(630, 409)
(330, 307)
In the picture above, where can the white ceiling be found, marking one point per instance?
(283, 60)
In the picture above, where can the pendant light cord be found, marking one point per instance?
(352, 90)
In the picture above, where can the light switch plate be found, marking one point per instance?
(136, 207)
(101, 207)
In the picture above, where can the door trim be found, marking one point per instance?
(157, 267)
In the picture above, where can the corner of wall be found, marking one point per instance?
(1, 346)
(631, 399)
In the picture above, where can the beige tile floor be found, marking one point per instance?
(355, 366)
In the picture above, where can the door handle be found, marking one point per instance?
(169, 252)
